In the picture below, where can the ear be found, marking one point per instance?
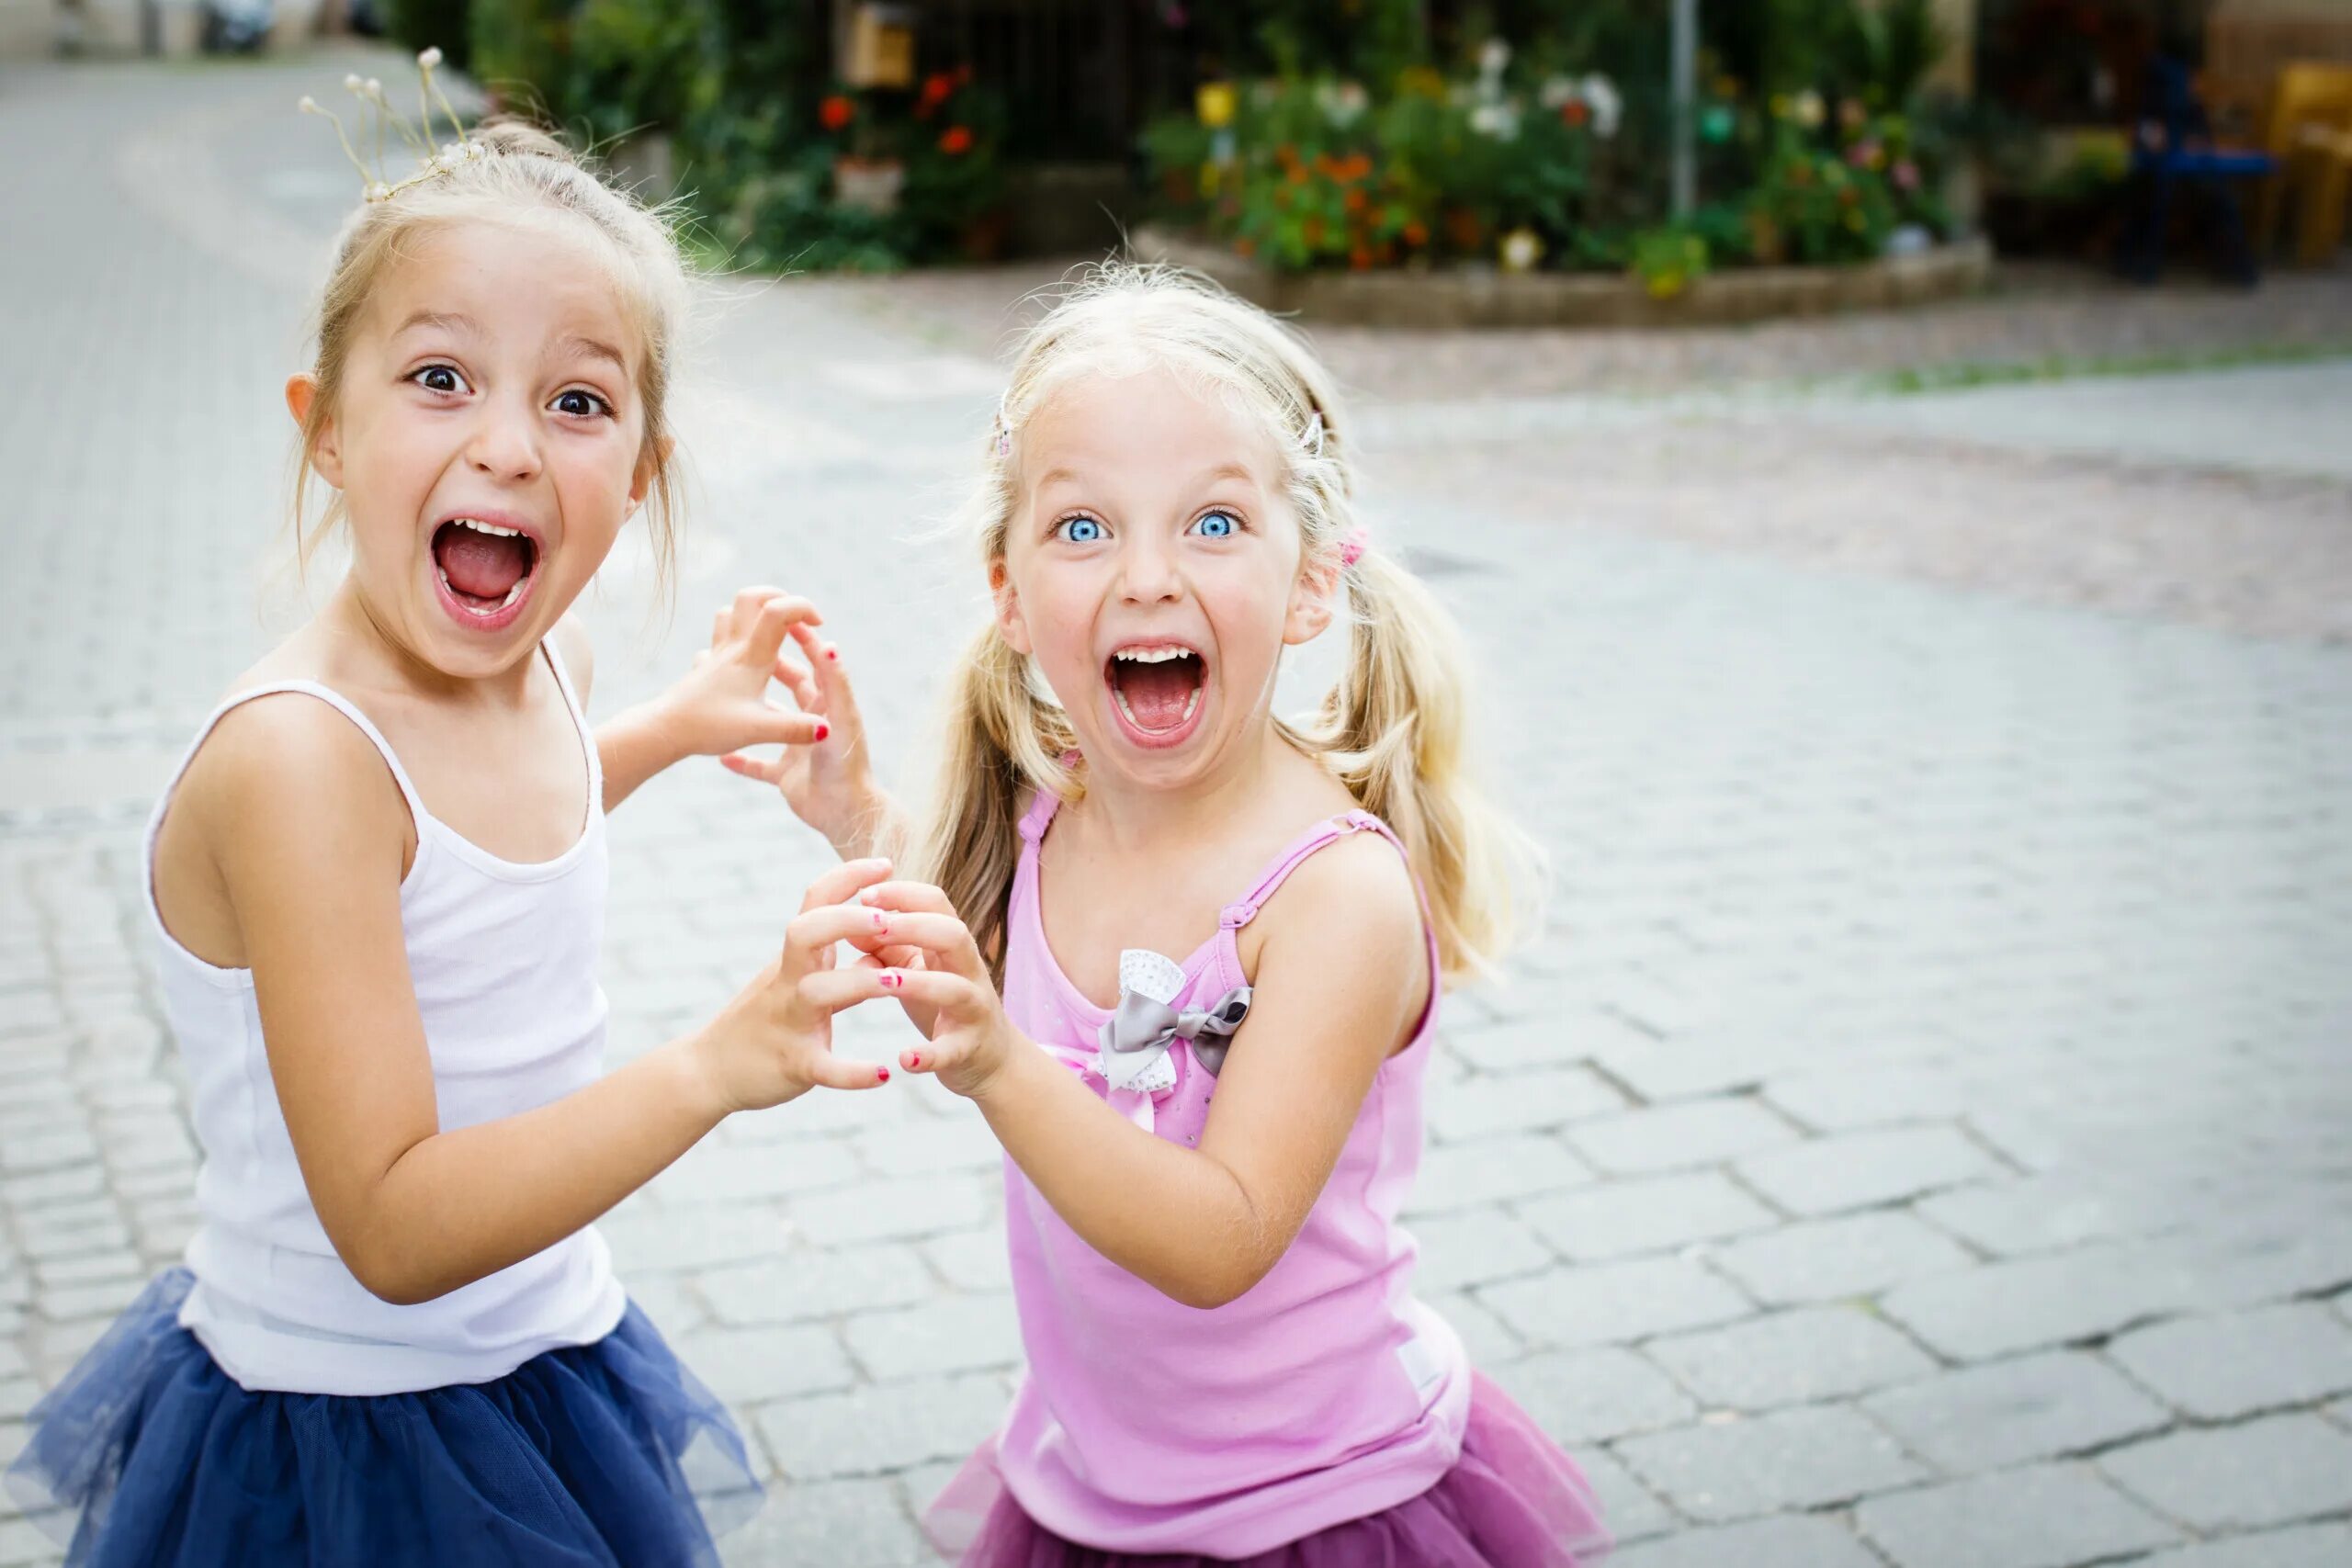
(1009, 623)
(326, 456)
(1314, 602)
(650, 463)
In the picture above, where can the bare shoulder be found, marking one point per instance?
(573, 645)
(1355, 895)
(295, 763)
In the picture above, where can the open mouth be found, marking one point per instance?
(1157, 689)
(485, 569)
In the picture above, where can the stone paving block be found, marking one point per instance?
(1656, 1213)
(1461, 1176)
(1610, 1302)
(1858, 1170)
(1517, 1102)
(643, 1237)
(811, 1284)
(886, 1211)
(951, 1333)
(840, 1524)
(1799, 1542)
(1857, 1255)
(1837, 1101)
(751, 1366)
(2219, 1369)
(1671, 1137)
(103, 1297)
(1800, 1356)
(717, 1172)
(882, 1428)
(1806, 1458)
(23, 1544)
(2306, 1546)
(17, 1397)
(1631, 1511)
(1488, 1339)
(2276, 1471)
(2002, 1413)
(1593, 1396)
(62, 1185)
(2001, 1308)
(2046, 1517)
(962, 1143)
(47, 1151)
(971, 1260)
(2247, 1267)
(1475, 1246)
(2042, 1214)
(1547, 1039)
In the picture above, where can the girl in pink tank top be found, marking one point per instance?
(1206, 1153)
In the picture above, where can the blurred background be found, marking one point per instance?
(1889, 455)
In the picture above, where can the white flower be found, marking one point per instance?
(1558, 92)
(351, 83)
(379, 191)
(1494, 57)
(1809, 108)
(1495, 120)
(1523, 248)
(427, 59)
(375, 87)
(307, 104)
(1600, 96)
(1343, 103)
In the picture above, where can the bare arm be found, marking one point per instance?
(1202, 1224)
(413, 1211)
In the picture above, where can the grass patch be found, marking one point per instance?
(2061, 367)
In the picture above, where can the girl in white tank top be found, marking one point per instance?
(378, 884)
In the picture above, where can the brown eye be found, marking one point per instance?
(580, 404)
(439, 378)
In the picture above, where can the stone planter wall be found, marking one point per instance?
(1484, 298)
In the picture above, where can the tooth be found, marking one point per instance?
(517, 593)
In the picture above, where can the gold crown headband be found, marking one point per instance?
(376, 185)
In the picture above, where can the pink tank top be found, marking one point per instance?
(1325, 1394)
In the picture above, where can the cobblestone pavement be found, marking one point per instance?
(1922, 1137)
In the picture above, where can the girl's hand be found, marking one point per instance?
(971, 1039)
(773, 1041)
(722, 704)
(829, 781)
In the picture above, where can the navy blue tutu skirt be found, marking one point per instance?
(609, 1454)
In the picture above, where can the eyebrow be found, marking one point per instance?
(1222, 471)
(446, 321)
(593, 349)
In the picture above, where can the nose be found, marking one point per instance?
(1147, 570)
(504, 443)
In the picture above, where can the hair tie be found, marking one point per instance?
(1351, 549)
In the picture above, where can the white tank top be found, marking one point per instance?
(503, 958)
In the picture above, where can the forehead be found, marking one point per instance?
(515, 282)
(1097, 427)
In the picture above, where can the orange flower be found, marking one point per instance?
(1360, 258)
(836, 112)
(1575, 112)
(1312, 231)
(1416, 233)
(955, 141)
(1245, 246)
(1356, 201)
(1356, 167)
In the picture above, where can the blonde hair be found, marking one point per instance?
(1391, 730)
(528, 172)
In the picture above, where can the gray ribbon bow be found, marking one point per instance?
(1142, 1024)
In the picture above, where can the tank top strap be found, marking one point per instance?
(1036, 818)
(1329, 831)
(580, 725)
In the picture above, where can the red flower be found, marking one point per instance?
(937, 90)
(1575, 112)
(1416, 233)
(836, 112)
(955, 141)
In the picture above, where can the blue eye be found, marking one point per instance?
(1217, 526)
(1080, 530)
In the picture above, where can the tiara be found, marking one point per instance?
(376, 183)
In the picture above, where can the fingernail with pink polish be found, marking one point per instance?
(882, 1074)
(823, 730)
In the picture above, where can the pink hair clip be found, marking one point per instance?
(1004, 428)
(1352, 548)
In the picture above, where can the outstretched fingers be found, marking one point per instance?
(945, 941)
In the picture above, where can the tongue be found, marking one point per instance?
(1157, 693)
(481, 566)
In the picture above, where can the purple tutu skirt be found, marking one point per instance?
(1513, 1500)
(608, 1455)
